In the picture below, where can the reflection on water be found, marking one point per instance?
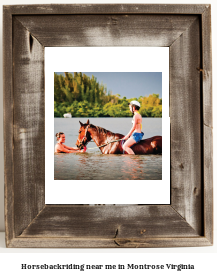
(92, 165)
(89, 166)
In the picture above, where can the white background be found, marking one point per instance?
(205, 259)
(139, 59)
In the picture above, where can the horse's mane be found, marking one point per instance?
(102, 130)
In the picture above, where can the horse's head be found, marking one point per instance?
(83, 136)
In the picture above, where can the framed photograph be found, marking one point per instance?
(106, 108)
(52, 200)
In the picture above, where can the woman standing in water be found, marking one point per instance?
(61, 148)
(136, 130)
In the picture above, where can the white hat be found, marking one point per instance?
(135, 102)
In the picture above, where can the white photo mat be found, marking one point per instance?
(109, 59)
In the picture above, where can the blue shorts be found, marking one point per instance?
(137, 136)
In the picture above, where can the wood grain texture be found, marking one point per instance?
(29, 140)
(207, 67)
(62, 242)
(107, 30)
(207, 118)
(106, 9)
(109, 222)
(208, 183)
(186, 30)
(8, 125)
(185, 111)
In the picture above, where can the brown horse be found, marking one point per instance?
(102, 136)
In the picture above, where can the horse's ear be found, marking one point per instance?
(88, 122)
(80, 123)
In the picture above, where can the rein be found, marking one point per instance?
(85, 137)
(105, 144)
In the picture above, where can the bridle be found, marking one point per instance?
(81, 143)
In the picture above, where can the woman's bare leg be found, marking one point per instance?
(128, 144)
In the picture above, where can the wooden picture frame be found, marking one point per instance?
(186, 30)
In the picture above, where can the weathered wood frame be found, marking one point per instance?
(186, 29)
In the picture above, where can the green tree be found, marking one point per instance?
(83, 96)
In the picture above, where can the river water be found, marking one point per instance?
(93, 165)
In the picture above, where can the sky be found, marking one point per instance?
(130, 84)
